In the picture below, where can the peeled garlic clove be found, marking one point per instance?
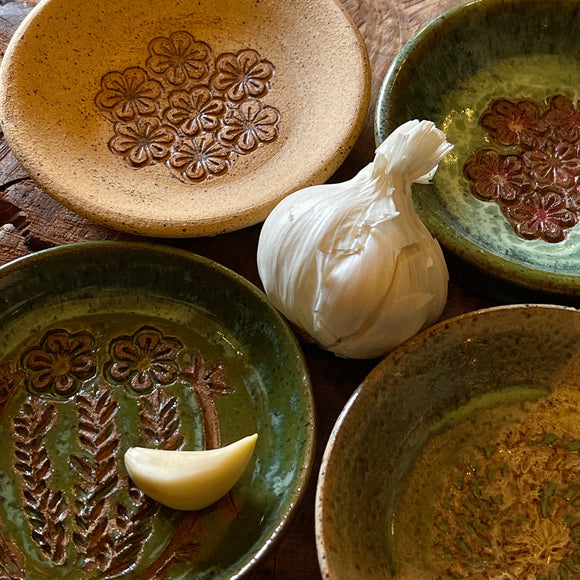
(189, 480)
(351, 263)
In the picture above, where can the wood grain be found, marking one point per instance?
(30, 220)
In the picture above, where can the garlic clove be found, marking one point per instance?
(189, 480)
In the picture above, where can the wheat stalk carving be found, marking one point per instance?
(159, 417)
(107, 534)
(98, 479)
(45, 509)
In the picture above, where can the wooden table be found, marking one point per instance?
(30, 221)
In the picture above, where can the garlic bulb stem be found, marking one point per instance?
(351, 263)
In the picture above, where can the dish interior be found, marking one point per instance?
(105, 347)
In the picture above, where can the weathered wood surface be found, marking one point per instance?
(30, 220)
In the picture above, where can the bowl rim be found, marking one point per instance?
(492, 265)
(244, 564)
(344, 417)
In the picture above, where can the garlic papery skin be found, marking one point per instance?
(351, 263)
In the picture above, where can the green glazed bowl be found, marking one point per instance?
(412, 484)
(486, 51)
(108, 345)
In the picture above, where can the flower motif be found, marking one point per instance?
(179, 58)
(61, 362)
(128, 94)
(554, 162)
(195, 112)
(563, 118)
(199, 158)
(9, 380)
(144, 360)
(541, 214)
(242, 75)
(493, 176)
(514, 122)
(173, 110)
(250, 125)
(142, 142)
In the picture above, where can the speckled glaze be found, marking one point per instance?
(108, 345)
(450, 72)
(183, 119)
(391, 415)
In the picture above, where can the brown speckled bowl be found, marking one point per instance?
(182, 118)
(487, 362)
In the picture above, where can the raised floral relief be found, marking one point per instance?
(186, 109)
(144, 360)
(532, 166)
(60, 363)
(82, 512)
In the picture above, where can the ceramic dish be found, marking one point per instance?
(457, 456)
(182, 118)
(107, 345)
(500, 78)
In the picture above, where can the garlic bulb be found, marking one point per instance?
(351, 263)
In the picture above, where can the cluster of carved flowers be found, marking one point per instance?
(189, 110)
(61, 361)
(532, 168)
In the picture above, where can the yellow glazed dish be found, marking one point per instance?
(182, 119)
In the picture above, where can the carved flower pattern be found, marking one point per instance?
(495, 176)
(10, 378)
(514, 122)
(144, 360)
(532, 169)
(200, 158)
(189, 110)
(80, 513)
(542, 214)
(179, 58)
(554, 162)
(242, 75)
(250, 125)
(195, 112)
(142, 142)
(128, 95)
(60, 363)
(564, 118)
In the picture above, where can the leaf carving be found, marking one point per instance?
(108, 535)
(11, 563)
(159, 416)
(45, 509)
